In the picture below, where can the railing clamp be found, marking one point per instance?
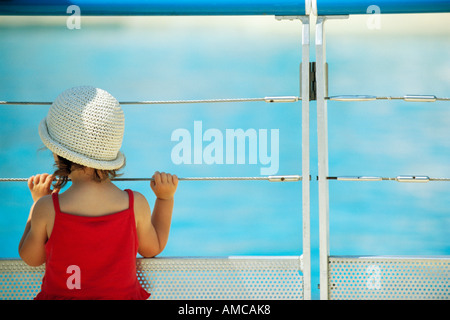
(412, 179)
(313, 80)
(284, 178)
(281, 99)
(419, 98)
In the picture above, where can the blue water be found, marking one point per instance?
(181, 61)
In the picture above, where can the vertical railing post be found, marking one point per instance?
(322, 146)
(305, 158)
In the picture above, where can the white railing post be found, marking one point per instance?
(322, 147)
(305, 158)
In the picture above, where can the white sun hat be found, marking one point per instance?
(85, 125)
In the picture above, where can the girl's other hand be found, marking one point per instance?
(164, 185)
(40, 184)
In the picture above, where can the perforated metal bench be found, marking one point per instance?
(389, 278)
(185, 278)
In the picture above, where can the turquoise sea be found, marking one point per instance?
(170, 59)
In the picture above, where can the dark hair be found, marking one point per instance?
(65, 167)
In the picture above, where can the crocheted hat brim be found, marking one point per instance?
(75, 157)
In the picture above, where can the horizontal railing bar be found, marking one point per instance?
(408, 98)
(352, 7)
(154, 8)
(265, 99)
(274, 99)
(282, 178)
(398, 178)
(391, 257)
(277, 178)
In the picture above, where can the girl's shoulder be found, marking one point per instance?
(139, 199)
(43, 209)
(141, 206)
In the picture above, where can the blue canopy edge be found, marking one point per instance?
(154, 7)
(344, 7)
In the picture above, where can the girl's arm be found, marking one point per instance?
(153, 229)
(32, 244)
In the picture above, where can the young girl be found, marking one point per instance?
(89, 236)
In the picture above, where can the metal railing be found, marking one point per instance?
(374, 279)
(323, 175)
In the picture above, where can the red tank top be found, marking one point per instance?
(92, 258)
